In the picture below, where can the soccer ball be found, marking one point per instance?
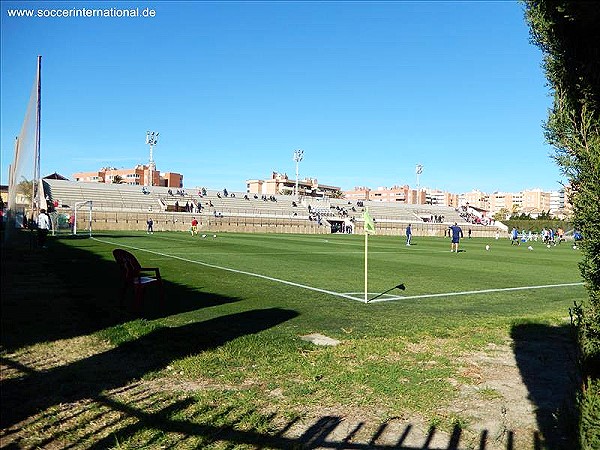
(203, 235)
(548, 245)
(214, 235)
(574, 247)
(487, 247)
(530, 248)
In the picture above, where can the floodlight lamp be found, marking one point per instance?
(298, 155)
(151, 138)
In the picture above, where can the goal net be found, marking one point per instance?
(82, 218)
(25, 197)
(62, 223)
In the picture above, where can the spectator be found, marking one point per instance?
(43, 227)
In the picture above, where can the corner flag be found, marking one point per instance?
(369, 224)
(369, 229)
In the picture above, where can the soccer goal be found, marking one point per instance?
(61, 223)
(79, 216)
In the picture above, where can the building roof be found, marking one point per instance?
(54, 176)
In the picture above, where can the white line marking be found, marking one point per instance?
(483, 291)
(243, 272)
(339, 294)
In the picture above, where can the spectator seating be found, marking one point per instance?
(135, 198)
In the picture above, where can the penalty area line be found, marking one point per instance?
(483, 291)
(228, 269)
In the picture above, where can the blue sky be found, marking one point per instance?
(367, 90)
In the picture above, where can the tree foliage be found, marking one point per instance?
(568, 33)
(25, 188)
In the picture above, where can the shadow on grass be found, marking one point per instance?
(547, 359)
(323, 433)
(65, 291)
(156, 422)
(89, 377)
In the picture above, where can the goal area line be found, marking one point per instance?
(356, 296)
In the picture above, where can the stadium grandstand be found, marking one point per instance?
(123, 206)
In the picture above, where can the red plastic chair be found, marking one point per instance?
(135, 275)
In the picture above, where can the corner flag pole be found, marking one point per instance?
(366, 264)
(369, 229)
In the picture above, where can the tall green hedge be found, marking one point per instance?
(537, 225)
(568, 33)
(590, 415)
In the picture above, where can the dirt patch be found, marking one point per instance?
(496, 399)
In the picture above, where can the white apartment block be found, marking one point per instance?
(529, 201)
(557, 200)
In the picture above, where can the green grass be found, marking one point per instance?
(237, 337)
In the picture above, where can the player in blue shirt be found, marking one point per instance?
(456, 235)
(514, 237)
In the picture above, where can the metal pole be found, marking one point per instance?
(298, 155)
(296, 188)
(90, 218)
(151, 140)
(419, 171)
(35, 188)
(366, 266)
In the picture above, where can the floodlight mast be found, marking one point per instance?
(418, 171)
(298, 155)
(151, 140)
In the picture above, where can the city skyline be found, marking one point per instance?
(105, 171)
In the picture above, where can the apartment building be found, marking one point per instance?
(141, 174)
(280, 183)
(395, 194)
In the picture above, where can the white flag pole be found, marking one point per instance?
(366, 263)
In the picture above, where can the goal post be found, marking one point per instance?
(77, 215)
(61, 224)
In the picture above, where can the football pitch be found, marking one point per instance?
(476, 294)
(232, 334)
(332, 267)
